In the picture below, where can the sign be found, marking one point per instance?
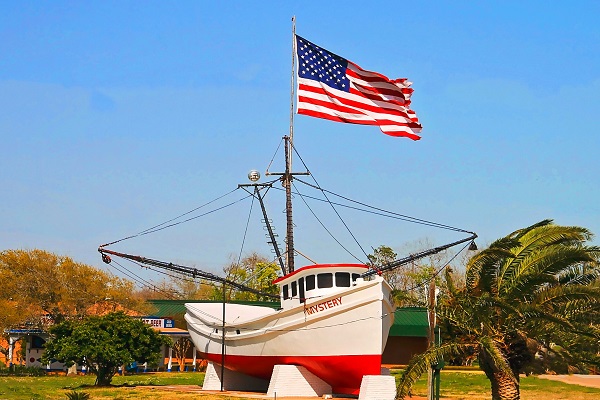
(159, 322)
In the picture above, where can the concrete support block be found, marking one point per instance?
(233, 380)
(296, 381)
(377, 387)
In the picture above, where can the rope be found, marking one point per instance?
(274, 155)
(246, 230)
(144, 283)
(402, 217)
(331, 204)
(324, 227)
(164, 225)
(437, 272)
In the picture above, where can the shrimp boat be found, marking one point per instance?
(332, 321)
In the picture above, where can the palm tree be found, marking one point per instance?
(536, 287)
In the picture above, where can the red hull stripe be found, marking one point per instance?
(343, 373)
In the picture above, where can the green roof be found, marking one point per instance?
(408, 321)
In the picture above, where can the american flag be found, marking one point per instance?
(331, 87)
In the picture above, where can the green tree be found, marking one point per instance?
(254, 271)
(409, 281)
(104, 343)
(533, 289)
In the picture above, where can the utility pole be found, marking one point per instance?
(433, 372)
(430, 335)
(223, 342)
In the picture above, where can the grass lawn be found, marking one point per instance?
(474, 385)
(454, 385)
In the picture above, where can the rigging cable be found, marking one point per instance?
(330, 203)
(274, 155)
(246, 230)
(324, 227)
(437, 272)
(164, 225)
(140, 281)
(402, 217)
(153, 286)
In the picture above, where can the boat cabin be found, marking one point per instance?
(316, 281)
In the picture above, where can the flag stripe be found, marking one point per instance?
(311, 90)
(378, 83)
(348, 114)
(391, 130)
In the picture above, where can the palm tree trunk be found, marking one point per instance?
(504, 387)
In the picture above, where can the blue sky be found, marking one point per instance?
(120, 115)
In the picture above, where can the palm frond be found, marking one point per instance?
(543, 267)
(520, 232)
(550, 298)
(540, 236)
(580, 274)
(420, 363)
(482, 268)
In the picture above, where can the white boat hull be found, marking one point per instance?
(339, 337)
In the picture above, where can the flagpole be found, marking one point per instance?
(292, 86)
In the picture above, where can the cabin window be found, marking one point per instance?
(310, 282)
(325, 280)
(301, 289)
(342, 279)
(286, 292)
(355, 277)
(294, 289)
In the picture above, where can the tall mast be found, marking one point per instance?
(287, 183)
(287, 177)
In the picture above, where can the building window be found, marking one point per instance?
(342, 279)
(310, 282)
(286, 292)
(325, 280)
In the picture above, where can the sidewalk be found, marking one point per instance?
(582, 380)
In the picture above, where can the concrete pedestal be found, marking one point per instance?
(377, 387)
(296, 381)
(232, 381)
